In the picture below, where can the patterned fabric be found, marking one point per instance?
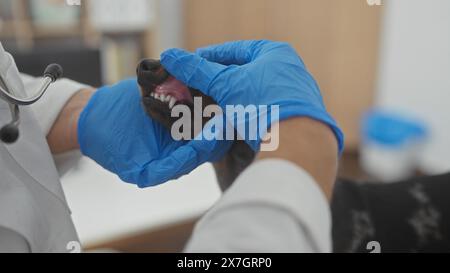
(409, 216)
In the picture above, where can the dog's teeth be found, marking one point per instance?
(157, 96)
(152, 95)
(168, 98)
(172, 103)
(162, 98)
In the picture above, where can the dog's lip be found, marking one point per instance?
(174, 88)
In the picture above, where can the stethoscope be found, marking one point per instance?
(10, 132)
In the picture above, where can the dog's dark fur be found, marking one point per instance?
(150, 75)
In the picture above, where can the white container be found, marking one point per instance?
(391, 146)
(390, 165)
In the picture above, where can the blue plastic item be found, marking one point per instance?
(391, 129)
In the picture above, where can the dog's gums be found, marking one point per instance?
(161, 92)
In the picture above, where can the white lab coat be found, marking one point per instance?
(274, 206)
(34, 215)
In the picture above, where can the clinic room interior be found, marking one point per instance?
(382, 66)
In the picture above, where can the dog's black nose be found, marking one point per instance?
(151, 73)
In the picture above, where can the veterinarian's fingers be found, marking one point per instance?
(240, 52)
(208, 146)
(181, 162)
(191, 69)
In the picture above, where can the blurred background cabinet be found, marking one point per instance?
(106, 38)
(338, 41)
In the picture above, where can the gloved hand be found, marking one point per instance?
(115, 131)
(252, 73)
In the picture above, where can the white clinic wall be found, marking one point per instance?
(170, 24)
(414, 72)
(122, 16)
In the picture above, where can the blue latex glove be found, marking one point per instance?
(115, 131)
(253, 72)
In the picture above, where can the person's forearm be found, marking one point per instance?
(63, 135)
(275, 203)
(312, 146)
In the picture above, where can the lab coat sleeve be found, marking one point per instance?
(12, 242)
(274, 206)
(47, 109)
